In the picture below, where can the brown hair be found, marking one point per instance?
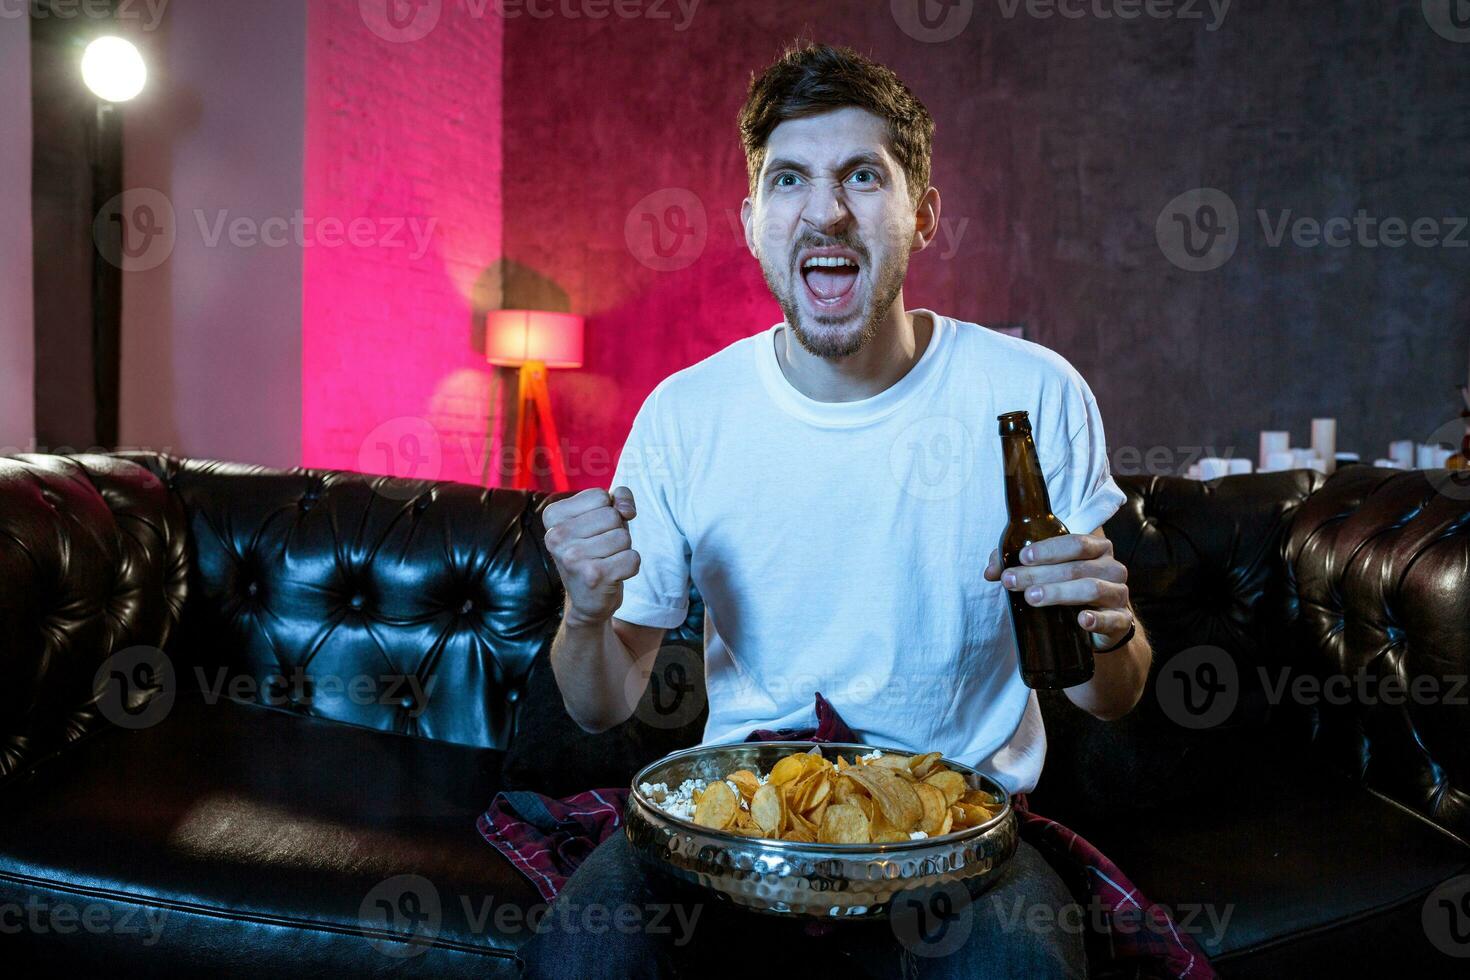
(815, 78)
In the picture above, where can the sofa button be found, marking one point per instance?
(357, 601)
(406, 704)
(513, 695)
(467, 608)
(253, 589)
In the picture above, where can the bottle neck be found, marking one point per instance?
(1026, 494)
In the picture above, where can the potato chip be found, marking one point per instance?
(717, 806)
(768, 809)
(809, 798)
(843, 824)
(981, 798)
(746, 781)
(950, 782)
(896, 798)
(970, 815)
(786, 769)
(935, 808)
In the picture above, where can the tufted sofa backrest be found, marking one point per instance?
(408, 606)
(1379, 564)
(92, 563)
(1206, 578)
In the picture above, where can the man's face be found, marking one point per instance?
(832, 225)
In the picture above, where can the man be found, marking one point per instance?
(834, 487)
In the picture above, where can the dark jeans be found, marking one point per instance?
(614, 919)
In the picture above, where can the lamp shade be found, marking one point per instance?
(513, 337)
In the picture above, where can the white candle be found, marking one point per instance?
(1324, 442)
(1272, 442)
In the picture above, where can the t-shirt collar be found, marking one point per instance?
(864, 410)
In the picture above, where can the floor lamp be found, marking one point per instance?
(533, 341)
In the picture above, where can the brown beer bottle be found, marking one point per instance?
(1055, 652)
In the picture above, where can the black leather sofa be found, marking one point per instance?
(230, 811)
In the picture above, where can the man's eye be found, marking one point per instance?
(864, 176)
(785, 180)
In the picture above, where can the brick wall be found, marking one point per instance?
(403, 138)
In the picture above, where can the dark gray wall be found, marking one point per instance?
(1078, 133)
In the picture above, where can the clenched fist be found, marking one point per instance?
(587, 535)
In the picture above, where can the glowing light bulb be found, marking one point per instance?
(113, 69)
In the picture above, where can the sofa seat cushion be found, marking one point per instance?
(1306, 865)
(259, 839)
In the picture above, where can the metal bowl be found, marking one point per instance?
(790, 878)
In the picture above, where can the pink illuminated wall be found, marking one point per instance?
(403, 183)
(623, 182)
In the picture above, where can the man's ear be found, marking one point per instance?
(747, 209)
(926, 220)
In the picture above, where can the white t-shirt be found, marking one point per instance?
(840, 547)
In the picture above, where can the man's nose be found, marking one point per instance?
(826, 208)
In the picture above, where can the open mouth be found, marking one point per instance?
(831, 279)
